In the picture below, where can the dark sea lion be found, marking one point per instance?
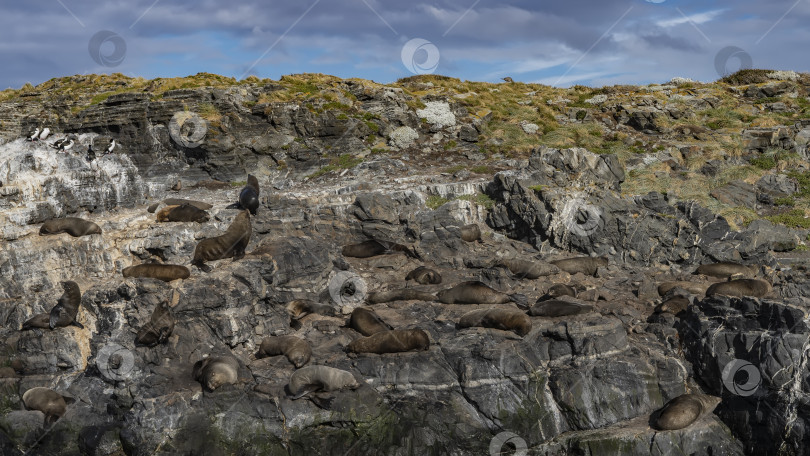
(152, 207)
(562, 307)
(230, 244)
(528, 269)
(471, 232)
(163, 214)
(691, 287)
(182, 213)
(300, 308)
(296, 350)
(179, 202)
(249, 195)
(474, 292)
(309, 379)
(67, 308)
(755, 288)
(73, 226)
(557, 290)
(159, 327)
(724, 270)
(685, 410)
(47, 401)
(402, 294)
(585, 265)
(367, 322)
(164, 272)
(215, 371)
(673, 305)
(424, 276)
(505, 319)
(370, 248)
(393, 341)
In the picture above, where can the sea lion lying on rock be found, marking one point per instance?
(563, 306)
(691, 287)
(557, 290)
(505, 319)
(402, 294)
(296, 350)
(300, 308)
(216, 371)
(370, 248)
(724, 270)
(393, 341)
(475, 292)
(470, 233)
(164, 272)
(673, 305)
(755, 288)
(525, 269)
(182, 213)
(685, 410)
(367, 322)
(179, 202)
(585, 265)
(229, 245)
(310, 379)
(47, 401)
(73, 226)
(159, 327)
(424, 276)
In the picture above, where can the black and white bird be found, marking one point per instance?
(91, 154)
(66, 145)
(34, 135)
(110, 147)
(44, 133)
(58, 143)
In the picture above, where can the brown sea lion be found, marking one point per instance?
(557, 290)
(163, 214)
(309, 379)
(685, 410)
(724, 270)
(393, 341)
(73, 226)
(159, 327)
(38, 321)
(216, 371)
(47, 401)
(471, 232)
(164, 272)
(474, 292)
(296, 350)
(528, 269)
(367, 322)
(424, 276)
(179, 202)
(370, 248)
(402, 294)
(182, 213)
(585, 265)
(505, 319)
(249, 195)
(673, 305)
(755, 288)
(691, 287)
(300, 308)
(67, 308)
(230, 244)
(562, 307)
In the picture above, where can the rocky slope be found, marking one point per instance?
(545, 177)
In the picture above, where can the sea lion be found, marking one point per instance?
(373, 247)
(558, 308)
(159, 327)
(38, 321)
(393, 341)
(300, 308)
(691, 287)
(755, 288)
(215, 371)
(230, 244)
(47, 401)
(725, 269)
(296, 350)
(673, 305)
(585, 265)
(152, 207)
(182, 213)
(367, 322)
(73, 226)
(164, 272)
(402, 294)
(249, 195)
(470, 233)
(684, 410)
(528, 269)
(557, 290)
(475, 292)
(309, 379)
(179, 202)
(424, 276)
(505, 319)
(67, 308)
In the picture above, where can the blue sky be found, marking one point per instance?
(561, 43)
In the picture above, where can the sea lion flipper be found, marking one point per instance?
(324, 402)
(54, 317)
(520, 300)
(77, 324)
(295, 324)
(311, 388)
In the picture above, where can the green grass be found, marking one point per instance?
(480, 199)
(481, 169)
(764, 162)
(434, 201)
(344, 161)
(794, 218)
(747, 76)
(785, 201)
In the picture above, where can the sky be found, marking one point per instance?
(558, 43)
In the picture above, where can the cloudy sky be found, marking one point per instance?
(561, 43)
